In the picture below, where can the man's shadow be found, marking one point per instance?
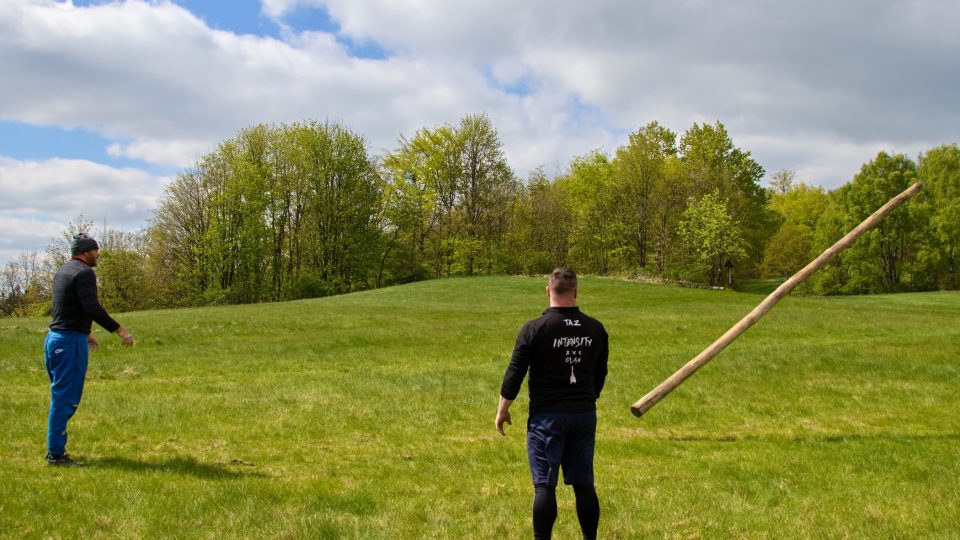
(179, 465)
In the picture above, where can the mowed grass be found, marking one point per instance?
(371, 416)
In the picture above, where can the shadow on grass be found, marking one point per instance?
(178, 465)
(892, 437)
(825, 438)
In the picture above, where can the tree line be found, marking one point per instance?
(303, 210)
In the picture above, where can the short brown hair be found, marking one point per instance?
(563, 280)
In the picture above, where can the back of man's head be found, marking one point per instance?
(82, 243)
(563, 281)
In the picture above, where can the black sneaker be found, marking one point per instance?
(62, 460)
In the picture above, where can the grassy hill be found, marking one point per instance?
(371, 416)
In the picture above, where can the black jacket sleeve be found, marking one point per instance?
(518, 367)
(86, 286)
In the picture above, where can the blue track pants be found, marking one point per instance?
(65, 357)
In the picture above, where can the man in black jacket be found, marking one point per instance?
(75, 307)
(565, 352)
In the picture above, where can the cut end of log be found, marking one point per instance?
(644, 404)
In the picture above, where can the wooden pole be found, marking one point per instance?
(648, 401)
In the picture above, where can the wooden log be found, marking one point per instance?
(667, 386)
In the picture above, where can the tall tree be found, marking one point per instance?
(463, 171)
(540, 226)
(431, 159)
(409, 211)
(712, 237)
(940, 171)
(639, 172)
(881, 258)
(587, 189)
(782, 181)
(345, 190)
(124, 282)
(669, 202)
(487, 186)
(715, 164)
(177, 240)
(276, 212)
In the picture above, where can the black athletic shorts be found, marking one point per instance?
(561, 441)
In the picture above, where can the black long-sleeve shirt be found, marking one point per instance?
(565, 351)
(75, 304)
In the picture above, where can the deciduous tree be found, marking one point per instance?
(639, 175)
(711, 236)
(940, 172)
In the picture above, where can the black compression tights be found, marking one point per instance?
(545, 511)
(588, 510)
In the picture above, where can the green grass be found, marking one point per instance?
(371, 416)
(759, 286)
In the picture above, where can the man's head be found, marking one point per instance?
(85, 248)
(562, 287)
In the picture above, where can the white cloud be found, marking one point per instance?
(169, 152)
(156, 75)
(829, 162)
(59, 190)
(26, 234)
(817, 87)
(860, 74)
(278, 8)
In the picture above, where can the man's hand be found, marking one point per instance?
(92, 342)
(501, 418)
(126, 338)
(503, 414)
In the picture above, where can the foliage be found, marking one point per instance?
(21, 292)
(782, 181)
(940, 204)
(451, 197)
(801, 205)
(883, 259)
(639, 177)
(122, 272)
(587, 189)
(268, 211)
(303, 210)
(788, 252)
(711, 237)
(541, 220)
(714, 163)
(799, 209)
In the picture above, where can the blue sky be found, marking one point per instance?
(104, 102)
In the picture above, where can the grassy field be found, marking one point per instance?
(371, 416)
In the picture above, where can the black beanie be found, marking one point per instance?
(82, 243)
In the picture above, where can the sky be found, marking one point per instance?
(102, 103)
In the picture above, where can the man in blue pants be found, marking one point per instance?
(565, 352)
(75, 307)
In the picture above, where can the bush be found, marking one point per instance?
(310, 286)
